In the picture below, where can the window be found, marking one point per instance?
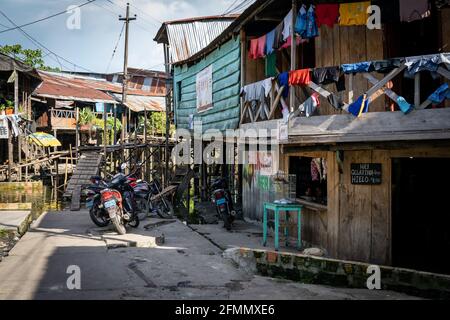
(311, 175)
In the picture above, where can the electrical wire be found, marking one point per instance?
(39, 44)
(115, 48)
(46, 18)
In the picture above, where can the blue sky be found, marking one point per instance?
(92, 45)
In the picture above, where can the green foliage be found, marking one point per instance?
(30, 57)
(86, 116)
(156, 124)
(7, 105)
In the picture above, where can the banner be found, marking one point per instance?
(4, 132)
(203, 86)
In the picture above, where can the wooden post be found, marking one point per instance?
(55, 148)
(10, 151)
(417, 89)
(77, 132)
(243, 37)
(293, 55)
(145, 173)
(105, 136)
(168, 109)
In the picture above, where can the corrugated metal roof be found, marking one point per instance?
(189, 36)
(142, 103)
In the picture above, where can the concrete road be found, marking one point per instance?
(186, 266)
(11, 220)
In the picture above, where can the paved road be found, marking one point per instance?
(187, 266)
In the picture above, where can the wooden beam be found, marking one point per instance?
(293, 54)
(385, 80)
(417, 89)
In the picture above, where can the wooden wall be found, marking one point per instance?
(357, 222)
(348, 44)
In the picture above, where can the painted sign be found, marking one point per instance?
(365, 173)
(203, 87)
(4, 132)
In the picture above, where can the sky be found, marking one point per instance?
(91, 46)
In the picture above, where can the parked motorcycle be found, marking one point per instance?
(150, 198)
(112, 202)
(221, 196)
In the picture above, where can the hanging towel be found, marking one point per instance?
(261, 52)
(356, 67)
(440, 94)
(311, 26)
(426, 63)
(278, 39)
(353, 14)
(329, 75)
(404, 105)
(253, 51)
(300, 22)
(309, 106)
(288, 42)
(270, 38)
(287, 25)
(283, 81)
(300, 77)
(356, 108)
(335, 101)
(271, 65)
(413, 10)
(386, 66)
(327, 14)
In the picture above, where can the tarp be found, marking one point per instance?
(44, 139)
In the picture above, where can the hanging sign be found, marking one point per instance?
(365, 173)
(4, 132)
(203, 86)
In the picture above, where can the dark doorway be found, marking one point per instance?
(421, 214)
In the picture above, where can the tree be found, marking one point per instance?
(30, 57)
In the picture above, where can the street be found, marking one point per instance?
(186, 266)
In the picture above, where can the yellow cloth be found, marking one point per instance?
(352, 14)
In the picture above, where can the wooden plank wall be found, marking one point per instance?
(348, 44)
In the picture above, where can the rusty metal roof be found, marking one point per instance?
(189, 36)
(62, 86)
(142, 103)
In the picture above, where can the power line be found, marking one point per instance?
(46, 18)
(39, 44)
(115, 48)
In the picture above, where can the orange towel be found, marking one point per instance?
(300, 77)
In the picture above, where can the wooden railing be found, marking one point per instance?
(62, 119)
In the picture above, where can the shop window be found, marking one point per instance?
(311, 175)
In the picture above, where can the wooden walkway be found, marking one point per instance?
(88, 166)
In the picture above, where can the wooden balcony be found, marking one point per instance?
(57, 119)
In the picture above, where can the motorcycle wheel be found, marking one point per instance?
(143, 208)
(96, 216)
(135, 222)
(118, 225)
(165, 212)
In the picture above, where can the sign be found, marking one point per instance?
(203, 87)
(365, 173)
(4, 132)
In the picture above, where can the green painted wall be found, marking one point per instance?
(226, 87)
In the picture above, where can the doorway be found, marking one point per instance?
(421, 214)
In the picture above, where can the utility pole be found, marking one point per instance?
(126, 20)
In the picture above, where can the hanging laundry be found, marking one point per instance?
(300, 77)
(257, 91)
(404, 105)
(440, 94)
(287, 26)
(327, 14)
(309, 106)
(353, 14)
(285, 112)
(390, 10)
(288, 42)
(283, 81)
(300, 22)
(335, 101)
(311, 26)
(413, 10)
(329, 75)
(426, 63)
(356, 67)
(314, 171)
(271, 65)
(253, 51)
(357, 107)
(278, 39)
(386, 66)
(261, 52)
(270, 38)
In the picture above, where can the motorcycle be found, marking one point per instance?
(112, 202)
(149, 198)
(221, 196)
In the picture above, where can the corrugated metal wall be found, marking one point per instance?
(225, 113)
